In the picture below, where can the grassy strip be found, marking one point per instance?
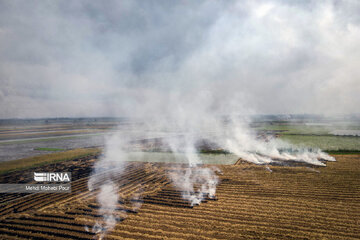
(339, 151)
(36, 161)
(49, 149)
(215, 151)
(8, 136)
(343, 151)
(330, 143)
(46, 139)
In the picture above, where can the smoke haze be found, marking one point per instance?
(180, 66)
(136, 58)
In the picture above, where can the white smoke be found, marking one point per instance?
(137, 201)
(240, 140)
(246, 54)
(195, 181)
(108, 199)
(104, 182)
(183, 122)
(182, 128)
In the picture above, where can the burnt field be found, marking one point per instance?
(251, 203)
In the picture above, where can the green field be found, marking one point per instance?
(41, 160)
(49, 149)
(327, 143)
(316, 136)
(289, 129)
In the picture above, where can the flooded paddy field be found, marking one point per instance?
(164, 157)
(26, 148)
(26, 140)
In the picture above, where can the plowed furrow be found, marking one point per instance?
(208, 218)
(48, 230)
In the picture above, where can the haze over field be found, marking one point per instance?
(184, 77)
(136, 58)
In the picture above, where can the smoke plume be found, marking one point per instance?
(181, 68)
(104, 182)
(241, 141)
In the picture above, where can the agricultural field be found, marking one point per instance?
(328, 136)
(35, 138)
(300, 201)
(329, 143)
(251, 203)
(158, 120)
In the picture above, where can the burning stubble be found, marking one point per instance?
(104, 183)
(181, 133)
(242, 142)
(195, 182)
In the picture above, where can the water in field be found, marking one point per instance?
(314, 135)
(16, 149)
(180, 158)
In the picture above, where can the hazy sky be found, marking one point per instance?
(124, 58)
